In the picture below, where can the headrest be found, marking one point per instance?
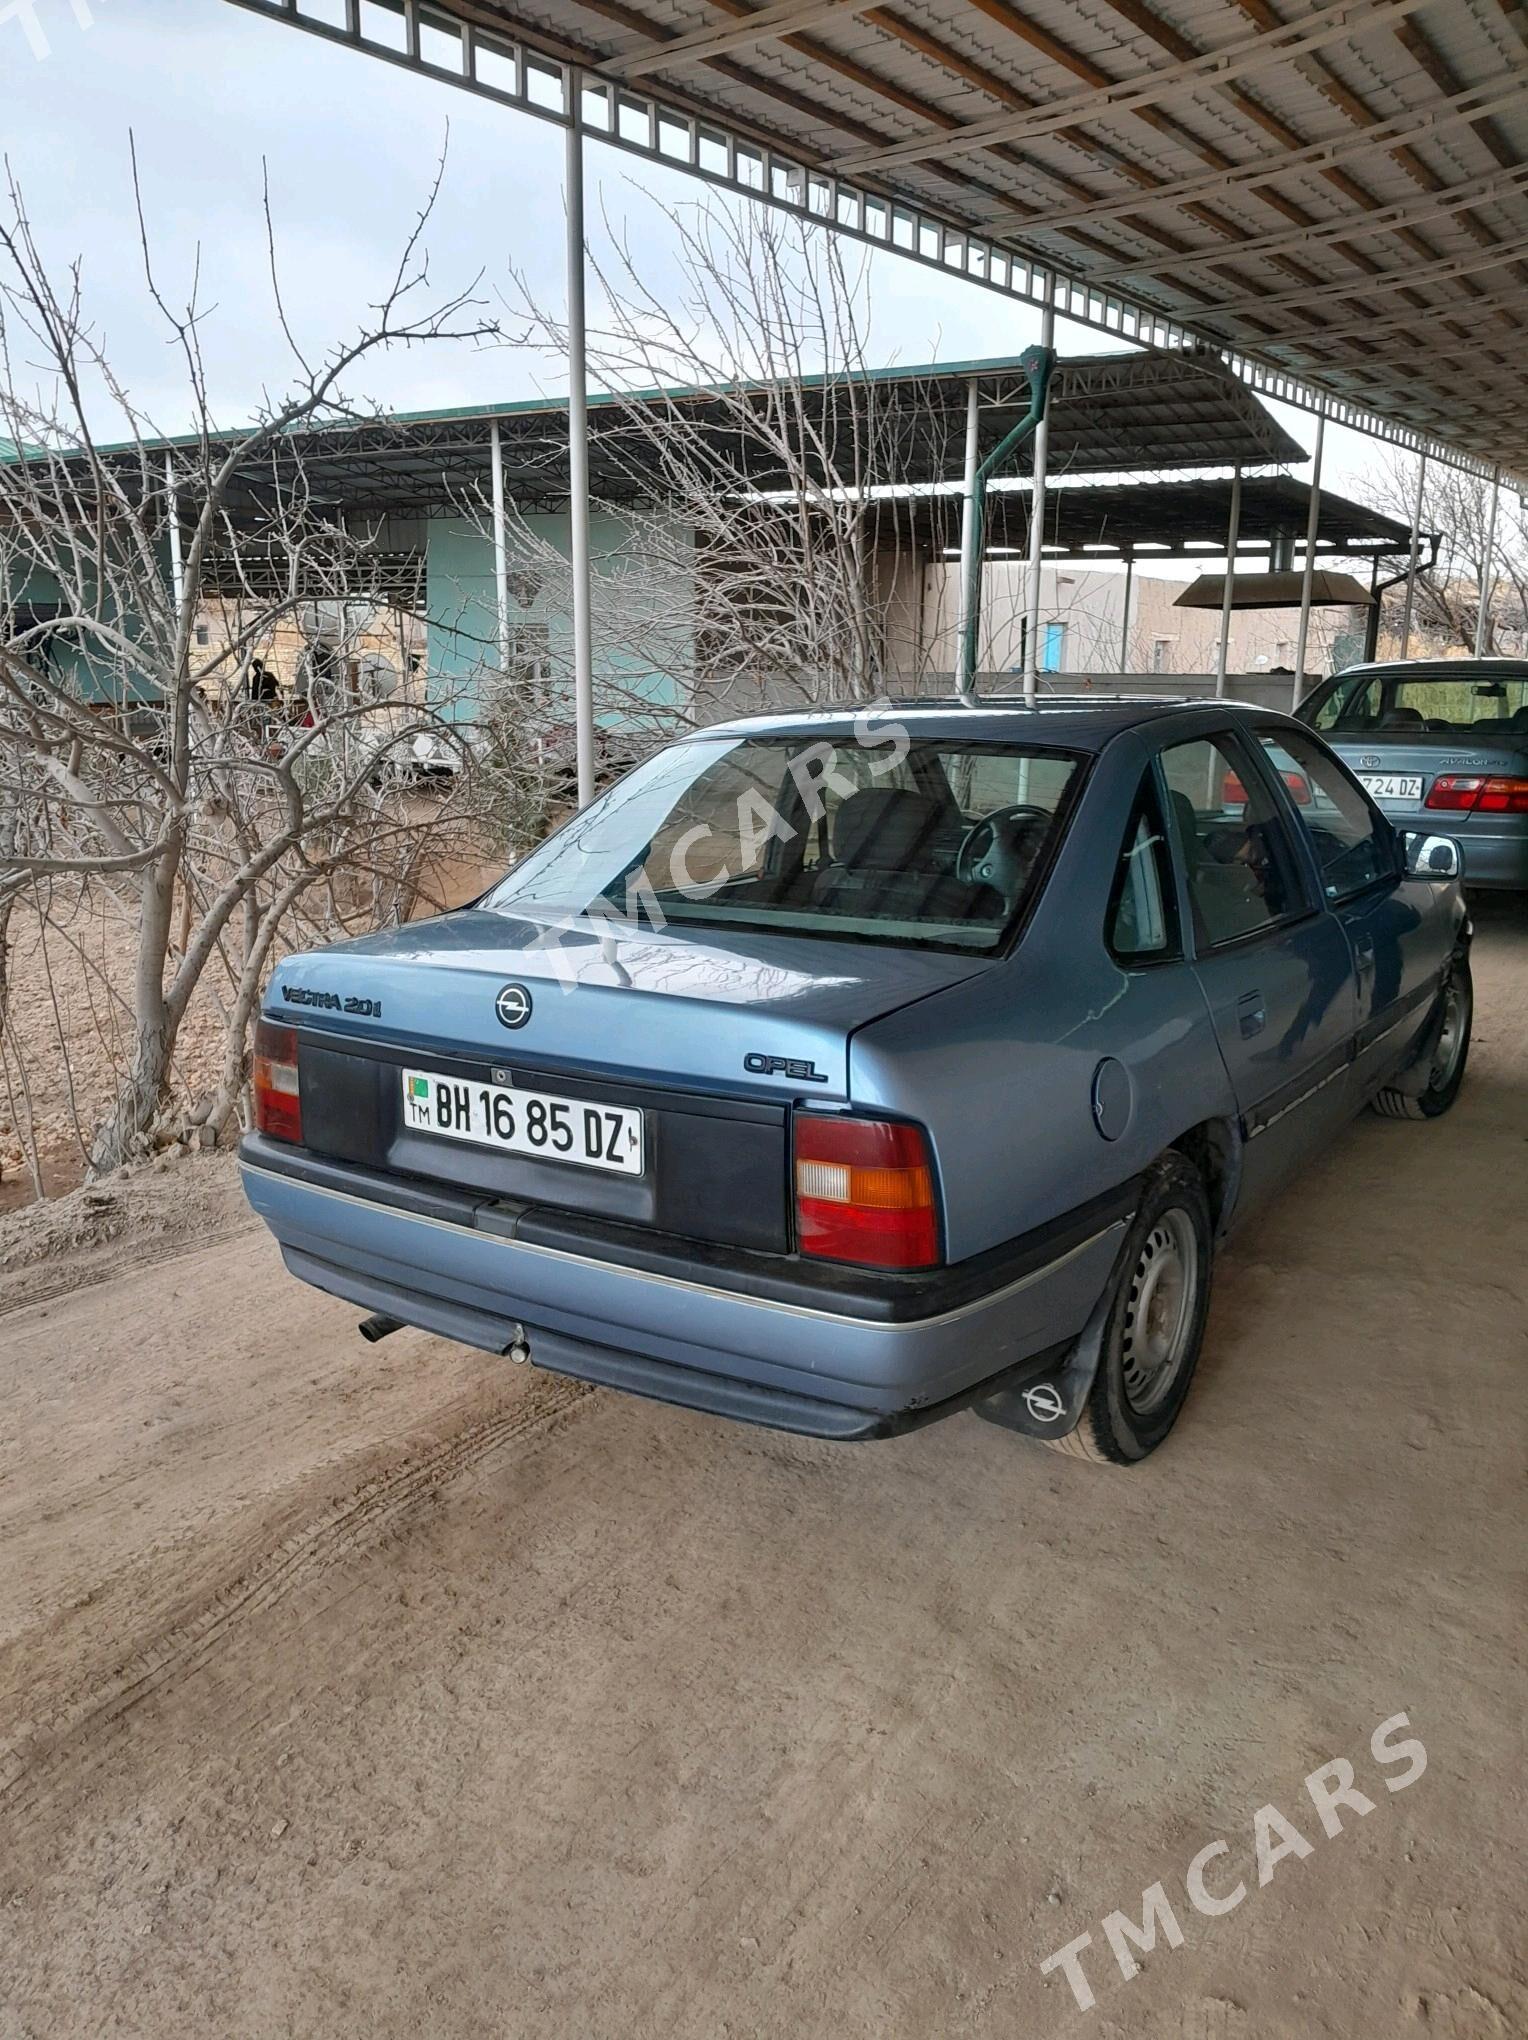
(884, 827)
(1188, 824)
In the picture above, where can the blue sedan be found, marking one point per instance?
(836, 1072)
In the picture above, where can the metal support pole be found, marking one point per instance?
(1233, 534)
(1124, 628)
(500, 548)
(1312, 525)
(578, 457)
(1416, 546)
(1036, 363)
(1371, 621)
(970, 566)
(1037, 509)
(1487, 580)
(172, 514)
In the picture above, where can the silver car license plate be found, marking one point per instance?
(524, 1122)
(1393, 785)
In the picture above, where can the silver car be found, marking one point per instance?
(1440, 744)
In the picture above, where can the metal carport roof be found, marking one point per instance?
(1152, 520)
(904, 426)
(1339, 200)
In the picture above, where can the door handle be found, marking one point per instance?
(1251, 1014)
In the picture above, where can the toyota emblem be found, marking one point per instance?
(513, 1006)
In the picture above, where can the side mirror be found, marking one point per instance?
(1432, 856)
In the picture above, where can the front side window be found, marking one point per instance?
(1435, 702)
(1238, 860)
(1354, 847)
(892, 840)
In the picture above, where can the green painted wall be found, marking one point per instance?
(85, 669)
(642, 642)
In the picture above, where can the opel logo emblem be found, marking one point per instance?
(513, 1006)
(1044, 1403)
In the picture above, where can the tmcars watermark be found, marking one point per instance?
(28, 14)
(1331, 1790)
(813, 773)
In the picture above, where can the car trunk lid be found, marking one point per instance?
(699, 1009)
(710, 1036)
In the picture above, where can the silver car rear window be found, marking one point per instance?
(1437, 703)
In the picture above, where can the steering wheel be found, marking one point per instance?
(996, 850)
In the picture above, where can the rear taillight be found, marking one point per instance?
(1473, 793)
(1453, 790)
(864, 1192)
(1234, 794)
(278, 1103)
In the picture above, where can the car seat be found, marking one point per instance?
(883, 859)
(1225, 891)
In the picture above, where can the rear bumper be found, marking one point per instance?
(1495, 862)
(688, 1338)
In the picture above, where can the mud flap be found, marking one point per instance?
(1052, 1404)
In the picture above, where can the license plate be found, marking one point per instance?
(524, 1122)
(1393, 785)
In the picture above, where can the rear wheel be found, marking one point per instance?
(1156, 1322)
(1450, 1054)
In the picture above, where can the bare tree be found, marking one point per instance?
(1457, 505)
(142, 776)
(760, 466)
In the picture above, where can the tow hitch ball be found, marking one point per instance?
(519, 1347)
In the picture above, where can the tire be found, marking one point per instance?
(1148, 1362)
(1450, 1055)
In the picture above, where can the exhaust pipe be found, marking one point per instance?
(378, 1327)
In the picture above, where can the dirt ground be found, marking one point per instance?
(394, 1690)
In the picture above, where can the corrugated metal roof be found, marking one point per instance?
(1295, 161)
(903, 427)
(1151, 520)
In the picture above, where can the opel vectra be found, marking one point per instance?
(837, 1073)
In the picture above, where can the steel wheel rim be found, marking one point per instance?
(1450, 1036)
(1160, 1305)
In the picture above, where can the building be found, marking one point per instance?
(1083, 628)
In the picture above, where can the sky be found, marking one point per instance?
(215, 99)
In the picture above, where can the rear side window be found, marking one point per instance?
(1354, 847)
(1143, 919)
(1238, 859)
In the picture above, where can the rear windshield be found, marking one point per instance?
(890, 839)
(1380, 702)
